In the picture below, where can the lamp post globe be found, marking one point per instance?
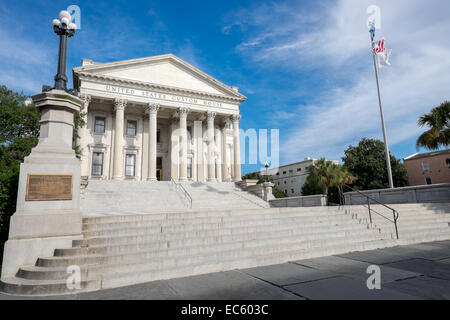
(65, 29)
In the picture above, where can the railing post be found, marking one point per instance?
(395, 222)
(370, 213)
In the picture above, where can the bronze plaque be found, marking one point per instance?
(46, 187)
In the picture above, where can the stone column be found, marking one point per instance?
(217, 154)
(198, 136)
(152, 143)
(225, 165)
(211, 146)
(119, 107)
(183, 143)
(83, 133)
(174, 151)
(236, 145)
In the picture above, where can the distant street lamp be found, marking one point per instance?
(64, 29)
(266, 165)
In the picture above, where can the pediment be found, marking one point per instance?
(166, 70)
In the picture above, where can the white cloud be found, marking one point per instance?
(338, 44)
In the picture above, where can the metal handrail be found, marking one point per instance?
(182, 192)
(394, 212)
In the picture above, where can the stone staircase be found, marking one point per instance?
(124, 249)
(416, 223)
(106, 197)
(209, 195)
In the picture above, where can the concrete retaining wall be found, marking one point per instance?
(303, 201)
(415, 194)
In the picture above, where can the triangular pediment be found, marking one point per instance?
(166, 70)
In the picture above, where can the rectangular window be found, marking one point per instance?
(284, 181)
(130, 164)
(285, 191)
(425, 166)
(158, 135)
(428, 180)
(279, 173)
(99, 125)
(448, 162)
(278, 182)
(97, 164)
(291, 171)
(292, 180)
(299, 179)
(131, 127)
(306, 168)
(292, 191)
(299, 169)
(284, 172)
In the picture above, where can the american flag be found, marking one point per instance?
(379, 47)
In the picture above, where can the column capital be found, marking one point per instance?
(153, 107)
(120, 104)
(210, 115)
(86, 99)
(182, 112)
(235, 117)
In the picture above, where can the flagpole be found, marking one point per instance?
(386, 147)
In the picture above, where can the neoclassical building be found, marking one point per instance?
(157, 118)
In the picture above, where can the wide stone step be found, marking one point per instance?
(187, 214)
(113, 274)
(21, 286)
(214, 226)
(166, 221)
(252, 247)
(171, 243)
(418, 218)
(115, 280)
(217, 233)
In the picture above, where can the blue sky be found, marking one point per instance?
(305, 66)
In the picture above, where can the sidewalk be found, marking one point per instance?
(420, 271)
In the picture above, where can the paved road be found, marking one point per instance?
(420, 271)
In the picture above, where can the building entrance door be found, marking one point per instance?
(159, 169)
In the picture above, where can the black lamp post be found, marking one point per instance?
(64, 29)
(266, 165)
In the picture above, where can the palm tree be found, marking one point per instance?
(326, 172)
(438, 120)
(330, 174)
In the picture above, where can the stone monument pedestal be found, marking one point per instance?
(48, 201)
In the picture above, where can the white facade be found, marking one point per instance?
(157, 118)
(290, 178)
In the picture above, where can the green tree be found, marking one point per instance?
(311, 186)
(367, 163)
(326, 173)
(438, 122)
(324, 178)
(277, 193)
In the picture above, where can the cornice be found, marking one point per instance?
(158, 87)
